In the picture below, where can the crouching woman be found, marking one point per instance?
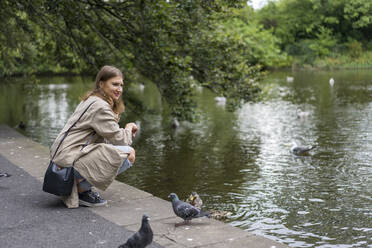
(96, 146)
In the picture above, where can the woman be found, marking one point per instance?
(96, 146)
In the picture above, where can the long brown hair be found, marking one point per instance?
(107, 72)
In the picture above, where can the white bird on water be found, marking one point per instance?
(303, 114)
(290, 79)
(331, 82)
(220, 100)
(301, 150)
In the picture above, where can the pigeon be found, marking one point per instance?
(142, 238)
(195, 200)
(185, 210)
(4, 175)
(301, 150)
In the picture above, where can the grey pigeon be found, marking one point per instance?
(4, 175)
(185, 210)
(142, 238)
(301, 150)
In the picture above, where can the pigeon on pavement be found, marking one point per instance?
(142, 238)
(185, 210)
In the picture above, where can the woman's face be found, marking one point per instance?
(113, 87)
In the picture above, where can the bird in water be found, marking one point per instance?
(175, 123)
(21, 125)
(301, 150)
(220, 100)
(303, 114)
(331, 82)
(195, 200)
(4, 175)
(185, 210)
(142, 238)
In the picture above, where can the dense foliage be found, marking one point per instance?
(321, 30)
(175, 44)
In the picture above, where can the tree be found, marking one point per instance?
(311, 29)
(359, 12)
(174, 43)
(260, 46)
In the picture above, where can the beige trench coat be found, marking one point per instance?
(99, 161)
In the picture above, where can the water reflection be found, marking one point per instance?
(240, 162)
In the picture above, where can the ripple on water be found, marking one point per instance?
(316, 200)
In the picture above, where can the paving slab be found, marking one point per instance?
(116, 196)
(127, 213)
(126, 205)
(214, 232)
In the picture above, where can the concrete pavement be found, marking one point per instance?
(31, 218)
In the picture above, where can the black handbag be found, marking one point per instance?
(60, 180)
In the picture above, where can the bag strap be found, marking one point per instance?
(68, 130)
(88, 141)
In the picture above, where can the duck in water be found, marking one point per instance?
(195, 200)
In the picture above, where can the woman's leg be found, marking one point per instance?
(126, 149)
(87, 197)
(83, 184)
(126, 164)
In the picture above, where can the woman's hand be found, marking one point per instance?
(132, 126)
(132, 156)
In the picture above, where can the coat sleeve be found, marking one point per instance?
(105, 125)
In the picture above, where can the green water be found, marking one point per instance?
(240, 162)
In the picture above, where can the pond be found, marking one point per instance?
(241, 162)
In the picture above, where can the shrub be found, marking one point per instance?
(355, 49)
